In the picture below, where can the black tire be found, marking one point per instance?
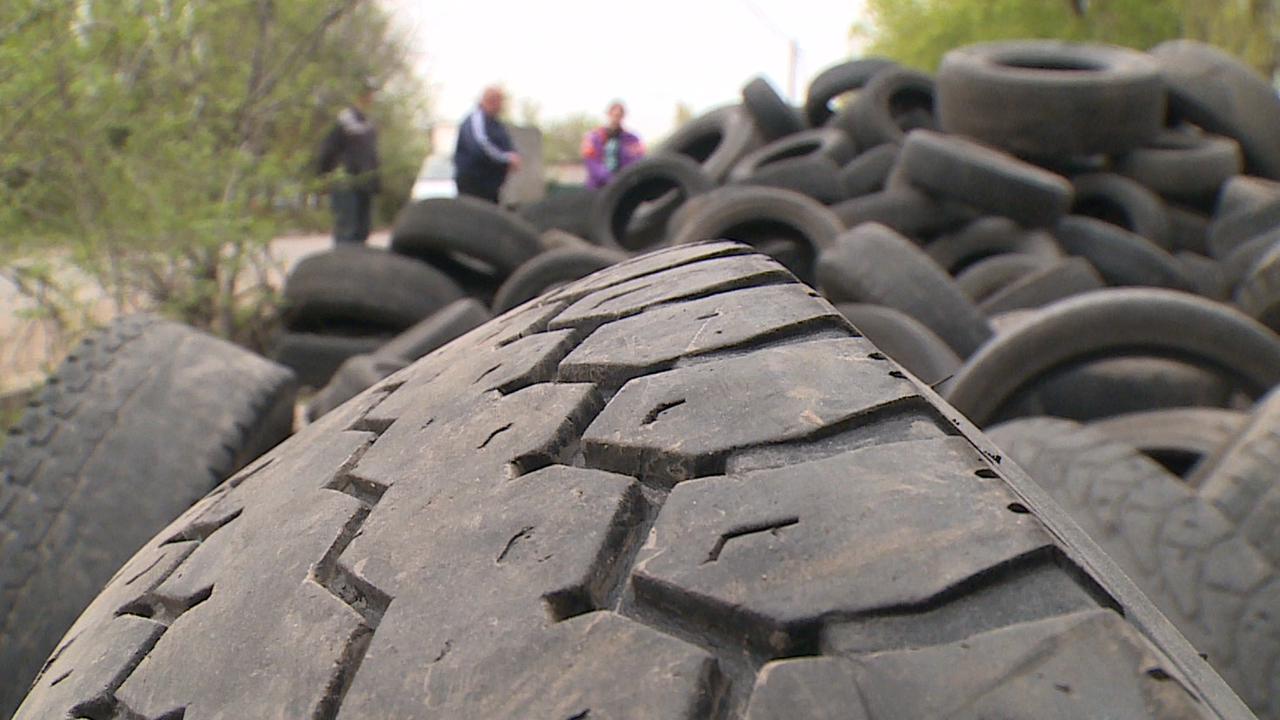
(716, 140)
(1177, 438)
(1206, 274)
(760, 216)
(550, 269)
(987, 237)
(894, 102)
(361, 286)
(835, 81)
(316, 357)
(452, 322)
(907, 210)
(1189, 229)
(989, 275)
(567, 209)
(665, 181)
(954, 168)
(555, 238)
(1121, 257)
(1243, 192)
(1117, 386)
(869, 171)
(1239, 263)
(1193, 562)
(1230, 231)
(815, 176)
(355, 375)
(1221, 94)
(774, 116)
(1067, 277)
(1049, 98)
(427, 229)
(807, 162)
(873, 264)
(1117, 323)
(1184, 164)
(1259, 294)
(1124, 203)
(360, 372)
(825, 142)
(139, 421)
(1240, 477)
(905, 339)
(491, 534)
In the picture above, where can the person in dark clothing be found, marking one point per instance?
(484, 153)
(352, 144)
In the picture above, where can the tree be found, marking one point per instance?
(157, 145)
(562, 137)
(683, 114)
(918, 32)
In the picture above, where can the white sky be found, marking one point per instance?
(576, 55)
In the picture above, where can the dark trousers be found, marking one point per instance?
(352, 211)
(484, 189)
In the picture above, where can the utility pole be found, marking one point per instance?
(793, 46)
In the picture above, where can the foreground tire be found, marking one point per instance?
(685, 472)
(142, 419)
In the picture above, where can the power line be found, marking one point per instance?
(793, 46)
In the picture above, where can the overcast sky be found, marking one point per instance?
(576, 55)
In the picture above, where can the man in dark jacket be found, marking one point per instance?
(484, 153)
(352, 143)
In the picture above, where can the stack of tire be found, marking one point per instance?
(1051, 229)
(657, 472)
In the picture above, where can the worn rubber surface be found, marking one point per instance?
(1193, 562)
(837, 80)
(1120, 256)
(680, 488)
(315, 357)
(988, 236)
(1117, 322)
(1051, 98)
(873, 264)
(1223, 95)
(1183, 163)
(633, 210)
(903, 338)
(363, 286)
(468, 226)
(954, 168)
(1124, 202)
(773, 116)
(1177, 438)
(142, 419)
(892, 103)
(1244, 470)
(989, 275)
(1071, 276)
(552, 268)
(717, 139)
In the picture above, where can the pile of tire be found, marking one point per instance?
(679, 479)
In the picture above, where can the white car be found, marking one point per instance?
(435, 179)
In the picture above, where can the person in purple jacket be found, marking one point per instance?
(609, 148)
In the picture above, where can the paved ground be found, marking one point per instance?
(28, 348)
